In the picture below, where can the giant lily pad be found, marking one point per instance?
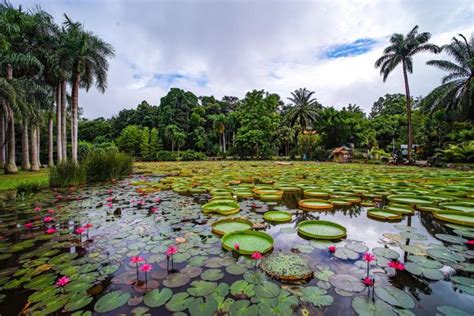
(277, 216)
(221, 207)
(321, 229)
(286, 266)
(455, 217)
(315, 204)
(229, 225)
(248, 241)
(383, 214)
(409, 199)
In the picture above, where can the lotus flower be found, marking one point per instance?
(48, 219)
(80, 230)
(470, 242)
(154, 209)
(50, 230)
(50, 211)
(157, 200)
(171, 250)
(109, 191)
(396, 265)
(59, 197)
(28, 225)
(256, 255)
(109, 199)
(332, 249)
(368, 281)
(109, 204)
(146, 267)
(368, 257)
(63, 281)
(88, 225)
(37, 209)
(236, 246)
(136, 259)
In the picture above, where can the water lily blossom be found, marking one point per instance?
(171, 250)
(50, 230)
(63, 281)
(37, 209)
(28, 225)
(332, 249)
(48, 219)
(154, 209)
(396, 265)
(110, 199)
(256, 256)
(109, 204)
(136, 259)
(368, 281)
(470, 242)
(51, 211)
(146, 267)
(368, 257)
(236, 246)
(80, 230)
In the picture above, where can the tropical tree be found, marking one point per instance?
(219, 123)
(304, 110)
(457, 89)
(401, 50)
(170, 134)
(87, 55)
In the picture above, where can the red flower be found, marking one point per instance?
(80, 230)
(396, 265)
(63, 281)
(171, 250)
(256, 255)
(48, 219)
(368, 281)
(470, 242)
(59, 197)
(51, 211)
(136, 259)
(37, 209)
(146, 267)
(110, 199)
(88, 225)
(28, 225)
(368, 257)
(157, 200)
(109, 204)
(50, 230)
(236, 246)
(332, 249)
(154, 209)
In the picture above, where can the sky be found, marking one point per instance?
(229, 47)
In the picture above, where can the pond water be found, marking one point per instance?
(145, 214)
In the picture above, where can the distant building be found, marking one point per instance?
(342, 154)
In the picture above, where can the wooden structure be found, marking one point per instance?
(342, 154)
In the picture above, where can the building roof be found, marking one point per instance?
(341, 149)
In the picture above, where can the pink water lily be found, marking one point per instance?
(59, 197)
(136, 259)
(48, 219)
(50, 230)
(109, 191)
(171, 250)
(63, 281)
(332, 249)
(37, 209)
(28, 225)
(109, 204)
(154, 209)
(88, 225)
(396, 265)
(157, 200)
(256, 255)
(51, 211)
(146, 267)
(110, 199)
(368, 257)
(368, 281)
(470, 242)
(236, 246)
(80, 230)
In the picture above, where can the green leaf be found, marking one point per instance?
(202, 288)
(267, 290)
(179, 302)
(78, 301)
(212, 275)
(111, 301)
(242, 289)
(366, 307)
(395, 296)
(203, 308)
(347, 282)
(316, 296)
(157, 298)
(243, 308)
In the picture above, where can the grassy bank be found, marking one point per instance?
(11, 181)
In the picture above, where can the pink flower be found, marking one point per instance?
(50, 211)
(88, 225)
(171, 250)
(470, 242)
(154, 209)
(332, 249)
(396, 265)
(110, 199)
(141, 202)
(109, 191)
(50, 230)
(157, 200)
(109, 204)
(368, 281)
(28, 225)
(368, 257)
(80, 230)
(58, 197)
(63, 281)
(256, 255)
(37, 209)
(136, 259)
(236, 246)
(48, 219)
(146, 267)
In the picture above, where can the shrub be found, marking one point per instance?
(165, 155)
(107, 165)
(191, 155)
(67, 173)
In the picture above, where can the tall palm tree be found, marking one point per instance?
(87, 56)
(456, 91)
(304, 110)
(219, 123)
(401, 50)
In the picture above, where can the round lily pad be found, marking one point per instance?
(321, 229)
(249, 242)
(229, 225)
(111, 301)
(409, 199)
(455, 217)
(223, 207)
(277, 216)
(462, 207)
(367, 307)
(395, 296)
(383, 214)
(315, 204)
(289, 267)
(316, 296)
(347, 282)
(156, 298)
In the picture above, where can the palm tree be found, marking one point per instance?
(304, 110)
(87, 57)
(170, 134)
(220, 122)
(457, 89)
(401, 50)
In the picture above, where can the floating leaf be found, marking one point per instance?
(386, 253)
(156, 298)
(347, 282)
(316, 296)
(176, 280)
(111, 301)
(242, 289)
(243, 308)
(201, 307)
(179, 302)
(451, 311)
(395, 296)
(212, 275)
(366, 307)
(345, 253)
(202, 288)
(267, 290)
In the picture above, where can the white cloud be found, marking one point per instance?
(242, 45)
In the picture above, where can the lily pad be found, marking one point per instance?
(288, 267)
(111, 301)
(316, 296)
(242, 289)
(202, 288)
(346, 254)
(347, 282)
(225, 226)
(321, 229)
(179, 302)
(277, 216)
(386, 253)
(157, 298)
(455, 217)
(367, 307)
(395, 296)
(248, 241)
(383, 214)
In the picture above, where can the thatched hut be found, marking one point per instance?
(342, 154)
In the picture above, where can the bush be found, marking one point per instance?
(191, 155)
(165, 155)
(67, 173)
(107, 165)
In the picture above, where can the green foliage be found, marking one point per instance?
(191, 155)
(98, 130)
(67, 174)
(166, 155)
(145, 151)
(130, 139)
(463, 152)
(108, 165)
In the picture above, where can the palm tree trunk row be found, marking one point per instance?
(25, 147)
(408, 100)
(2, 139)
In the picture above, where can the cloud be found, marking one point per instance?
(230, 47)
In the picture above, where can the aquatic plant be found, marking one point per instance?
(136, 260)
(170, 252)
(146, 267)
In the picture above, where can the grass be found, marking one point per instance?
(12, 181)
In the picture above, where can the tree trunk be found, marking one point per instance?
(10, 165)
(408, 101)
(50, 141)
(25, 148)
(74, 116)
(64, 119)
(172, 145)
(38, 137)
(59, 144)
(223, 142)
(34, 149)
(2, 139)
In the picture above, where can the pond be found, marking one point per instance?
(147, 244)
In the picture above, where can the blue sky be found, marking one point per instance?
(217, 47)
